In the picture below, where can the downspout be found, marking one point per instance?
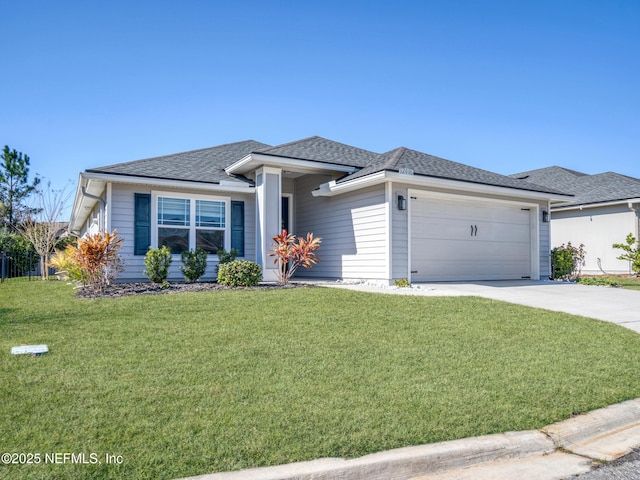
(635, 210)
(93, 197)
(102, 201)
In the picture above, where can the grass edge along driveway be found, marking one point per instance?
(186, 384)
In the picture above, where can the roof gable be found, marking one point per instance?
(322, 150)
(432, 166)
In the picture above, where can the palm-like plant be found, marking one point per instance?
(98, 258)
(290, 255)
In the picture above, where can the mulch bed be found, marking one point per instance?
(128, 289)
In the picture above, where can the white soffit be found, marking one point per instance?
(256, 160)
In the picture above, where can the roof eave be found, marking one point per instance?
(332, 188)
(254, 161)
(224, 185)
(581, 206)
(84, 204)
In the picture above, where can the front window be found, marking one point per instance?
(186, 224)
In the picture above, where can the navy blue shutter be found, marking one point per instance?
(237, 226)
(142, 223)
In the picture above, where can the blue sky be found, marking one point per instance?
(506, 86)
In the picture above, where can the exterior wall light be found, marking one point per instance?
(402, 203)
(545, 216)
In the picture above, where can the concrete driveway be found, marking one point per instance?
(614, 305)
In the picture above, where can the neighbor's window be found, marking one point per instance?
(185, 224)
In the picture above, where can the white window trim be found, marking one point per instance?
(192, 197)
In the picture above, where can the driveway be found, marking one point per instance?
(615, 305)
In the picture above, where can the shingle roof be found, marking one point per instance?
(428, 165)
(323, 150)
(588, 189)
(205, 165)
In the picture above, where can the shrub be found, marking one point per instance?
(605, 281)
(66, 265)
(631, 253)
(194, 264)
(291, 255)
(98, 258)
(567, 261)
(12, 242)
(157, 261)
(239, 273)
(226, 257)
(402, 283)
(19, 250)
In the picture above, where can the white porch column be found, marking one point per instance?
(268, 218)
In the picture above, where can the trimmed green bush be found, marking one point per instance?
(226, 257)
(194, 264)
(239, 273)
(157, 261)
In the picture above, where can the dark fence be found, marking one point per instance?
(19, 264)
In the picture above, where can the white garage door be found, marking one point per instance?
(469, 240)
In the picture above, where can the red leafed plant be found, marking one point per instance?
(291, 254)
(98, 258)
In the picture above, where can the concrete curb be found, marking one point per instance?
(603, 434)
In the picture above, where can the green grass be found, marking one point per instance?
(629, 283)
(194, 383)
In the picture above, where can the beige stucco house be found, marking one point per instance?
(604, 210)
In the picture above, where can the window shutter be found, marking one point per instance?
(142, 223)
(237, 226)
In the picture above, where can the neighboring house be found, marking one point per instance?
(603, 212)
(381, 217)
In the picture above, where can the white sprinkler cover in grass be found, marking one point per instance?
(30, 349)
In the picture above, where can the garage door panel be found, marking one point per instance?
(451, 250)
(445, 229)
(504, 232)
(457, 271)
(454, 240)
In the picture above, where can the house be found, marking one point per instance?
(604, 211)
(381, 217)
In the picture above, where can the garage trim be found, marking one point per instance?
(533, 218)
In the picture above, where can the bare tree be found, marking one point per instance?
(43, 228)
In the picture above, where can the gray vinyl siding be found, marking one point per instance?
(122, 200)
(399, 235)
(97, 216)
(352, 227)
(545, 244)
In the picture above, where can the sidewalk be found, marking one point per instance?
(552, 453)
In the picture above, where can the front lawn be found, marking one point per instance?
(186, 384)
